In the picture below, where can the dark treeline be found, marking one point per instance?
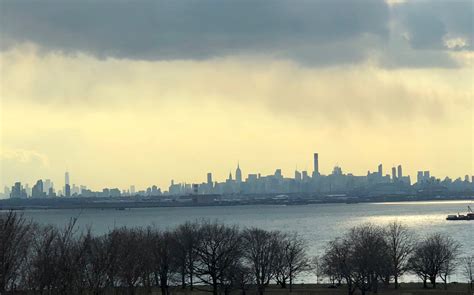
(214, 257)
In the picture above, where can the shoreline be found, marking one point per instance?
(127, 203)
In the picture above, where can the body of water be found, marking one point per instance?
(318, 224)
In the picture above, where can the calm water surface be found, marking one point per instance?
(316, 223)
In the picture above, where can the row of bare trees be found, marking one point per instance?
(209, 256)
(48, 260)
(369, 256)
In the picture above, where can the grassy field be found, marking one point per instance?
(310, 289)
(307, 289)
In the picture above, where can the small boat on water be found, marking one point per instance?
(468, 216)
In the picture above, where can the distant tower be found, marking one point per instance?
(400, 174)
(394, 174)
(380, 170)
(297, 176)
(67, 190)
(238, 174)
(426, 175)
(67, 187)
(209, 178)
(419, 177)
(38, 190)
(305, 175)
(230, 176)
(132, 190)
(316, 165)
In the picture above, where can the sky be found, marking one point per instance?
(142, 92)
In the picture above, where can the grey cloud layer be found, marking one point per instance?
(314, 32)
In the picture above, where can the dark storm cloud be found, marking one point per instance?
(430, 22)
(189, 29)
(313, 32)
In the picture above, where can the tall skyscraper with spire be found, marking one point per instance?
(238, 173)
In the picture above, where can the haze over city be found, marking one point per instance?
(194, 89)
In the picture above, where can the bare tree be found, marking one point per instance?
(70, 260)
(449, 253)
(433, 257)
(241, 277)
(187, 238)
(130, 253)
(291, 258)
(368, 256)
(96, 264)
(318, 268)
(162, 248)
(400, 246)
(468, 269)
(261, 251)
(43, 261)
(217, 251)
(15, 239)
(336, 263)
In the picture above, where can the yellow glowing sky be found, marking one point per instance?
(115, 122)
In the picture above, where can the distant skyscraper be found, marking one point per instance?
(426, 175)
(297, 175)
(316, 165)
(380, 170)
(132, 189)
(209, 178)
(67, 190)
(66, 178)
(419, 177)
(394, 173)
(305, 175)
(38, 190)
(238, 174)
(278, 173)
(18, 191)
(230, 176)
(400, 173)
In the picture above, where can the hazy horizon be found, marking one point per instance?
(141, 93)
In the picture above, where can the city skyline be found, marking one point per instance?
(44, 187)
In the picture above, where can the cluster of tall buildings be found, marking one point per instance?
(337, 182)
(43, 189)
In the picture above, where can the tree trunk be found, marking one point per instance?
(164, 285)
(396, 281)
(191, 274)
(433, 281)
(350, 291)
(183, 279)
(291, 283)
(214, 286)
